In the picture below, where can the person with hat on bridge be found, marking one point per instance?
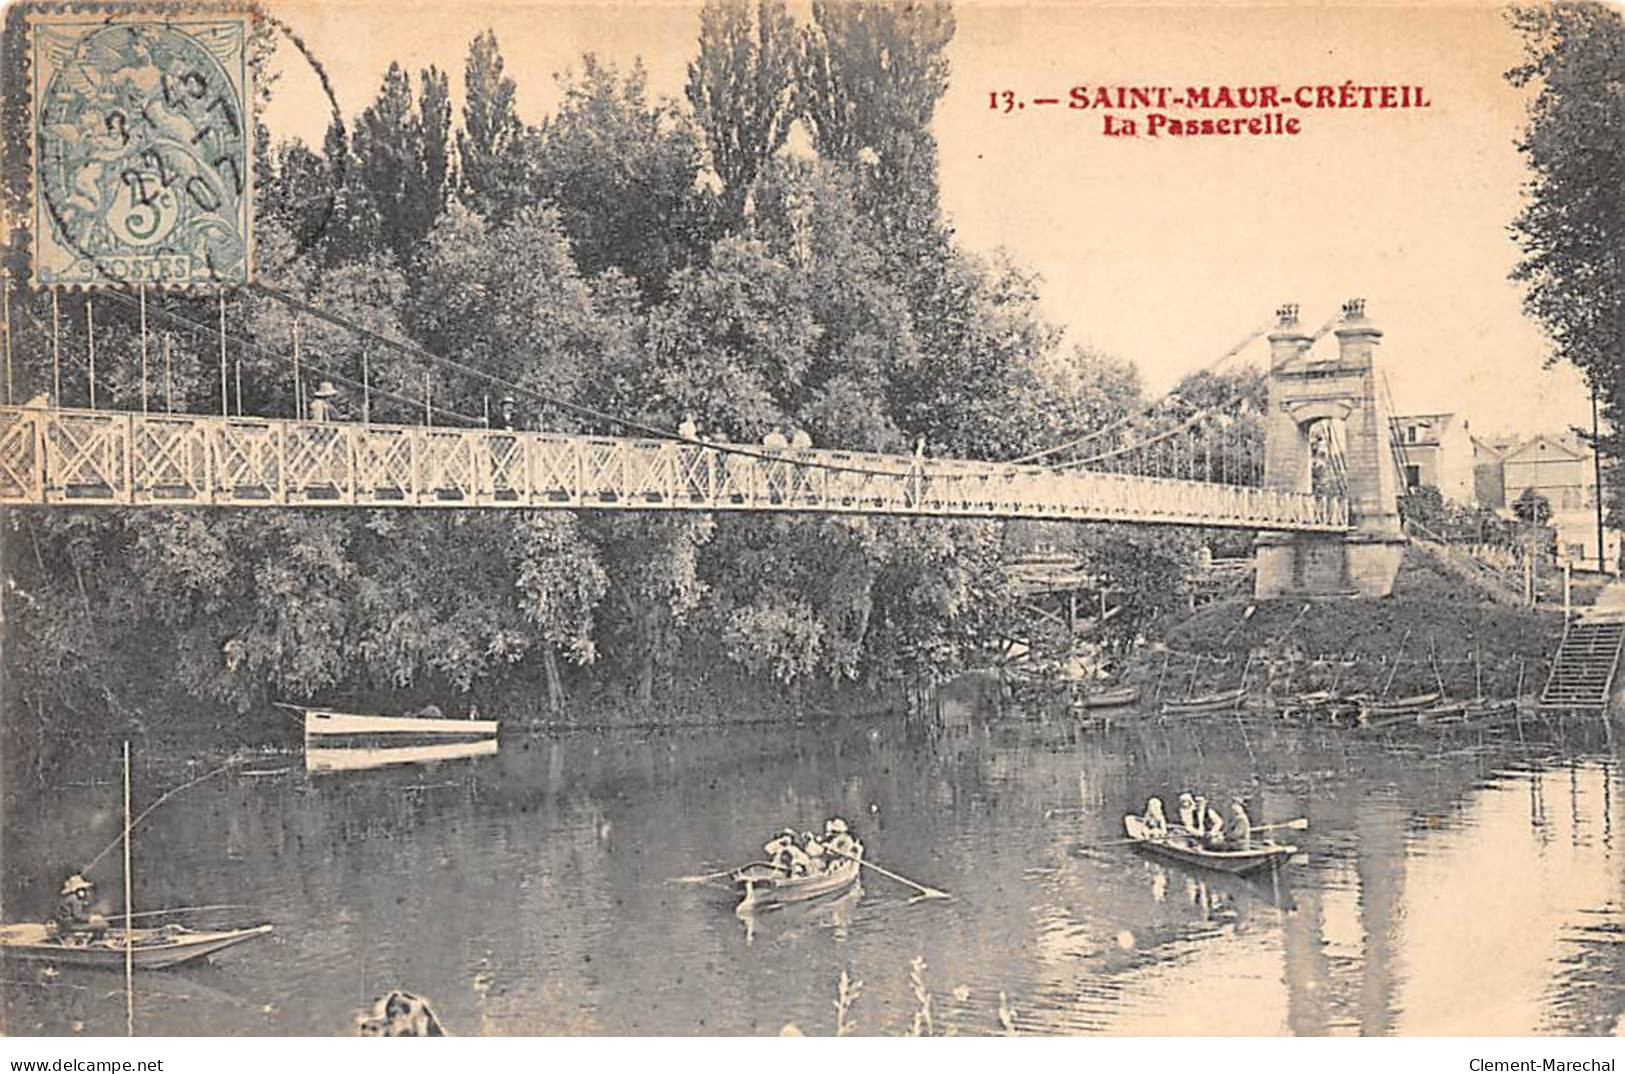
(320, 408)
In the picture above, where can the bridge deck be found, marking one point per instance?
(59, 457)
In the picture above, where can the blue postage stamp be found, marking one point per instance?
(142, 148)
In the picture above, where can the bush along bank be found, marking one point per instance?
(1427, 636)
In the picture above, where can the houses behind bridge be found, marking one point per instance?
(1443, 452)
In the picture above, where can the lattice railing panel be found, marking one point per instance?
(22, 473)
(85, 457)
(171, 460)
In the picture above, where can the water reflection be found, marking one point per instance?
(525, 892)
(357, 759)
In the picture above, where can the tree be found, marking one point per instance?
(1533, 508)
(742, 90)
(1572, 228)
(622, 174)
(401, 150)
(507, 299)
(561, 582)
(871, 74)
(977, 386)
(490, 146)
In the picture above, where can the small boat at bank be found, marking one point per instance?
(348, 729)
(1403, 706)
(1443, 714)
(1490, 709)
(150, 949)
(761, 886)
(1223, 701)
(1110, 699)
(1186, 848)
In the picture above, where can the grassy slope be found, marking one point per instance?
(1435, 609)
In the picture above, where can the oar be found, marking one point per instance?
(706, 877)
(924, 892)
(1301, 824)
(183, 909)
(1107, 843)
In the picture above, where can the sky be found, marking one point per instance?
(1164, 251)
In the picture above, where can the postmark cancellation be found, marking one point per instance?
(142, 148)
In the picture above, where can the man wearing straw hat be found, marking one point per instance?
(320, 408)
(74, 916)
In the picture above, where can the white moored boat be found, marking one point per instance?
(343, 728)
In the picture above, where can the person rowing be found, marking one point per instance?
(838, 838)
(785, 855)
(1239, 833)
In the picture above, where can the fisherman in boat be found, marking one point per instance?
(74, 917)
(839, 840)
(1156, 821)
(785, 855)
(1188, 817)
(1239, 832)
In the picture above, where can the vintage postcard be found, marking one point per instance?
(836, 518)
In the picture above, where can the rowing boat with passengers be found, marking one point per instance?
(150, 949)
(762, 885)
(1182, 846)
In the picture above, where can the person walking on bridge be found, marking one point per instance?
(321, 409)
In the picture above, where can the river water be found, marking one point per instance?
(1453, 887)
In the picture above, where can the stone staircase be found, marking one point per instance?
(1583, 671)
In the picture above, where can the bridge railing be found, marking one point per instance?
(85, 457)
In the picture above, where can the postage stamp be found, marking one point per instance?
(142, 136)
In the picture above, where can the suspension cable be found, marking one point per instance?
(241, 341)
(1146, 410)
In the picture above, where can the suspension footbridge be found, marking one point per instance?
(55, 457)
(1158, 466)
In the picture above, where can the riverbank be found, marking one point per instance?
(1437, 632)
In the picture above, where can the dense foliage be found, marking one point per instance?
(1572, 227)
(629, 255)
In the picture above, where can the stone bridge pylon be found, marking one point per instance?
(1304, 392)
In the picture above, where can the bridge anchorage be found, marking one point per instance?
(1339, 396)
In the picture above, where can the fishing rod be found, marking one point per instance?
(161, 800)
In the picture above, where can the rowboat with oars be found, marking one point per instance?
(150, 949)
(1223, 701)
(762, 886)
(1181, 846)
(1110, 699)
